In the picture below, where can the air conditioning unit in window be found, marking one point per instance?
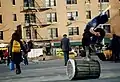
(76, 18)
(69, 23)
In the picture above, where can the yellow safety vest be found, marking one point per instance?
(16, 46)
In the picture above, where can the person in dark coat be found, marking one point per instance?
(16, 57)
(65, 46)
(115, 46)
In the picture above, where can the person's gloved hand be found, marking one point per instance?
(94, 32)
(97, 33)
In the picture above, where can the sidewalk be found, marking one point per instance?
(53, 71)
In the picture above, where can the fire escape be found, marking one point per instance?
(32, 20)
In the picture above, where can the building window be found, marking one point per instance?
(73, 30)
(0, 3)
(107, 12)
(50, 3)
(35, 31)
(30, 18)
(51, 17)
(103, 0)
(107, 28)
(88, 14)
(71, 1)
(27, 18)
(28, 33)
(14, 17)
(1, 35)
(0, 18)
(29, 3)
(72, 15)
(87, 1)
(13, 2)
(52, 32)
(119, 12)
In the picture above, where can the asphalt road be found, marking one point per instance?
(54, 71)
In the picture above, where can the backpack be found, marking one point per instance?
(16, 46)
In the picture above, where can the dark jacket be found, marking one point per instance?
(65, 44)
(100, 19)
(115, 43)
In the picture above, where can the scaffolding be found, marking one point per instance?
(32, 25)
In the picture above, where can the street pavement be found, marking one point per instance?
(55, 71)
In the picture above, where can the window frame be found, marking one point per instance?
(52, 32)
(88, 14)
(71, 2)
(72, 15)
(14, 17)
(50, 3)
(103, 1)
(35, 31)
(1, 35)
(1, 19)
(88, 1)
(13, 2)
(74, 31)
(51, 17)
(30, 18)
(107, 12)
(107, 30)
(29, 3)
(33, 18)
(28, 33)
(0, 4)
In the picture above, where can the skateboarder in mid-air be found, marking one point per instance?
(93, 33)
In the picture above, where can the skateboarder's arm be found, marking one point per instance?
(93, 32)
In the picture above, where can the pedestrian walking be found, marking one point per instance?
(6, 56)
(65, 46)
(25, 55)
(44, 51)
(15, 51)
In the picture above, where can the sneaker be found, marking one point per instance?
(65, 64)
